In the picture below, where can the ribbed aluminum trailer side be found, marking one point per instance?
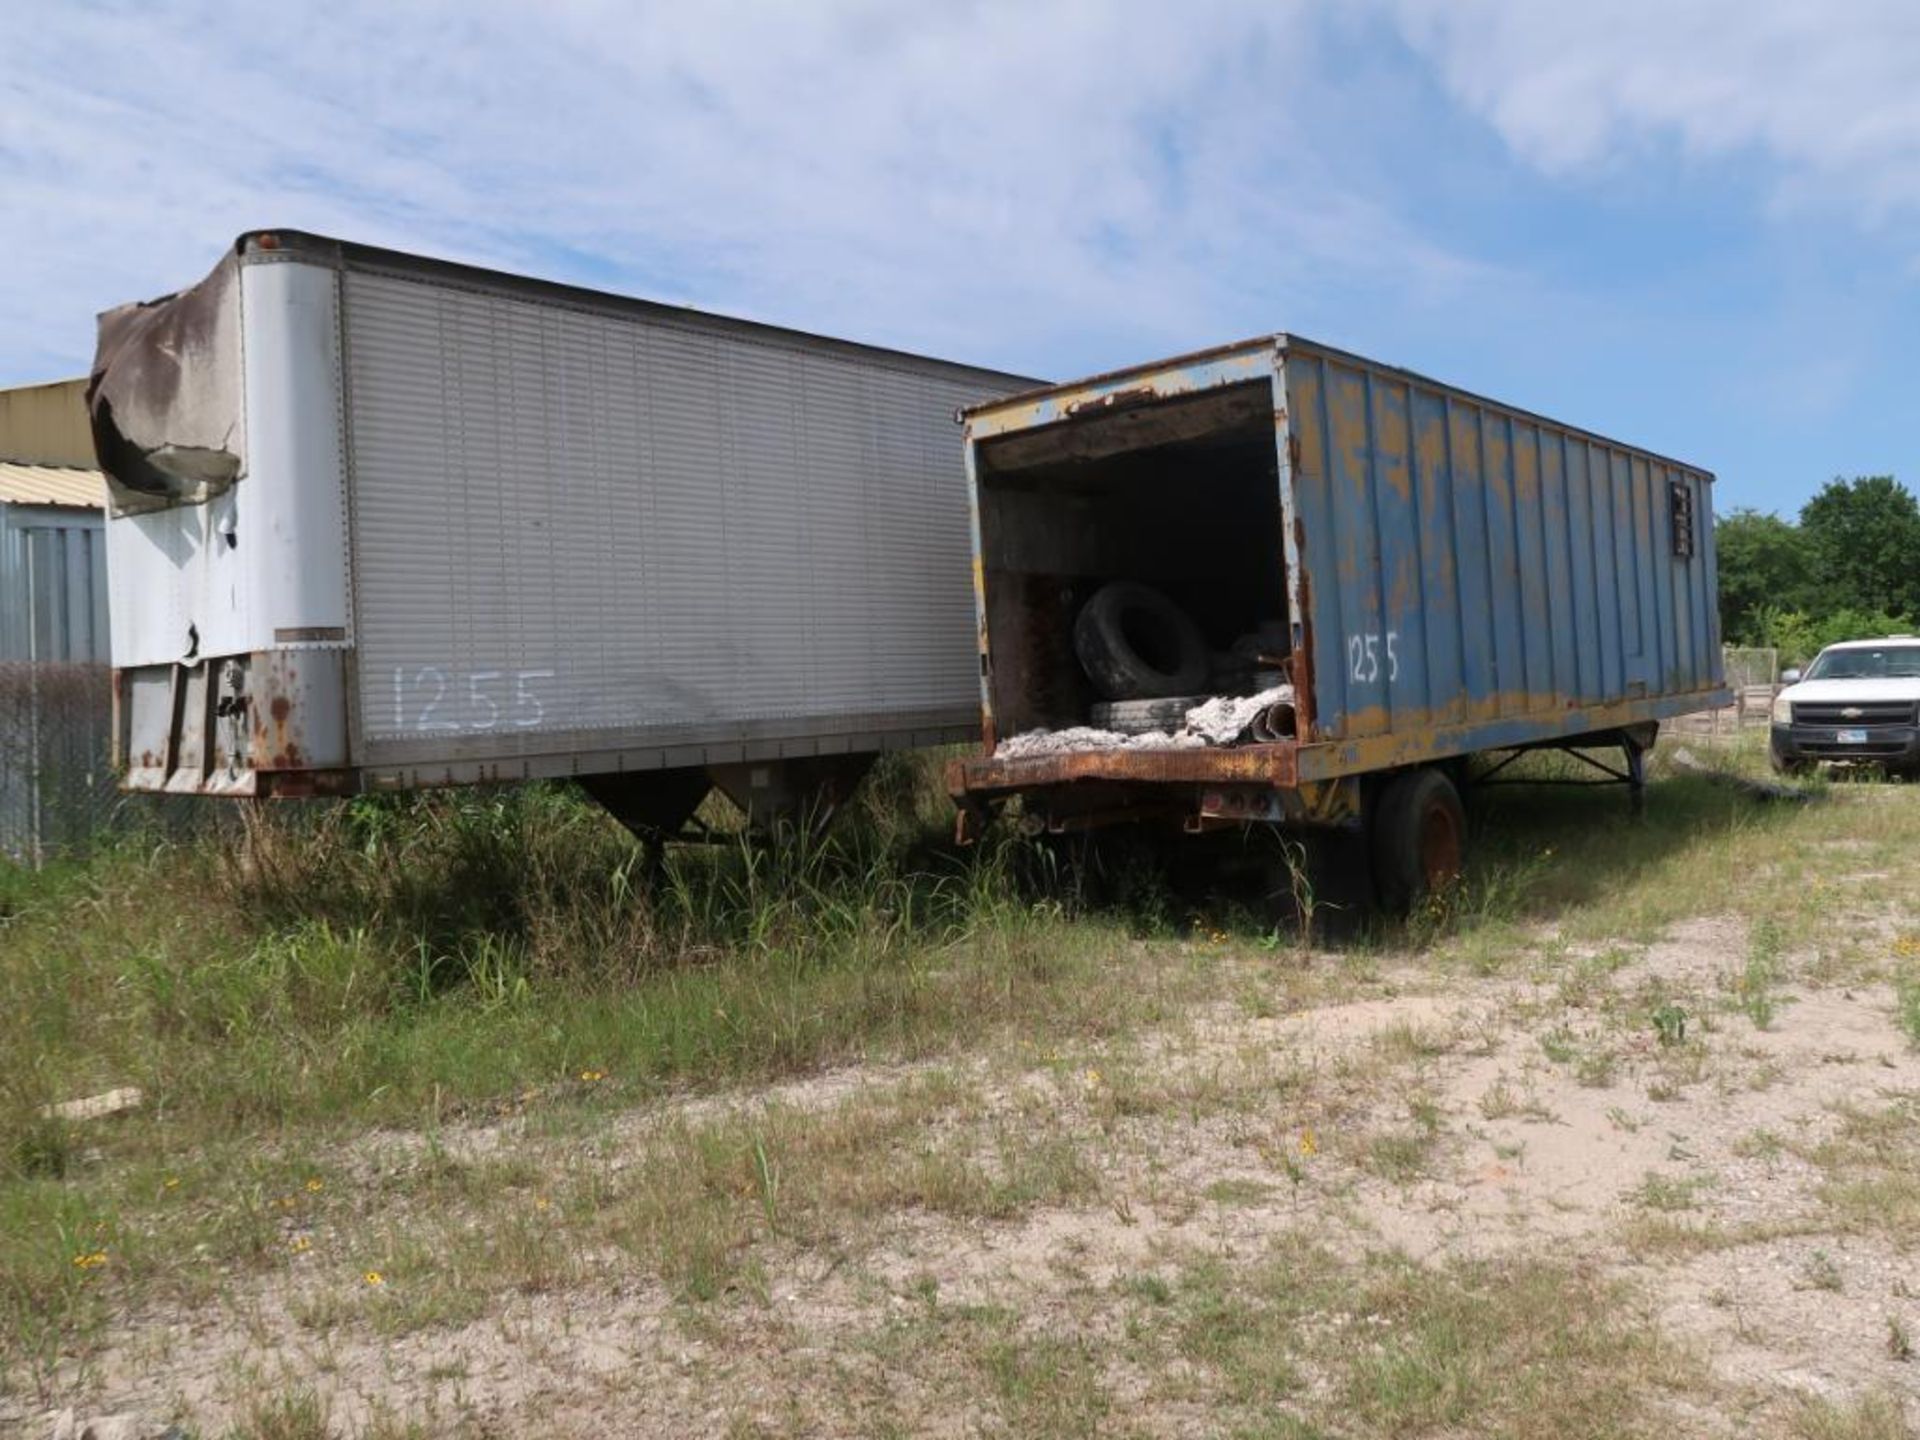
(384, 521)
(1445, 576)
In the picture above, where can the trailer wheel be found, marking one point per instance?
(1136, 644)
(1419, 838)
(1139, 717)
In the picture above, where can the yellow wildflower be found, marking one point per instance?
(300, 1244)
(591, 1076)
(541, 1202)
(90, 1260)
(172, 1182)
(374, 1277)
(315, 1185)
(1308, 1145)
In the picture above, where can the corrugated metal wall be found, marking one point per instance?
(1470, 564)
(53, 584)
(56, 781)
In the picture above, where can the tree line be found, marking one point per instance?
(1847, 568)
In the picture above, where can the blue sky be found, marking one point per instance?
(1690, 226)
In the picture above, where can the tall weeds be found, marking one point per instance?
(356, 957)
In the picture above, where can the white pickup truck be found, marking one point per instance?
(1858, 702)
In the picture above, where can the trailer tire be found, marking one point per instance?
(1142, 717)
(1136, 644)
(1419, 839)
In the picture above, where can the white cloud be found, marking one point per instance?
(988, 178)
(1825, 93)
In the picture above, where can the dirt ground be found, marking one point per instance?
(1724, 1170)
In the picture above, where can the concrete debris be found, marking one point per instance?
(1223, 720)
(93, 1107)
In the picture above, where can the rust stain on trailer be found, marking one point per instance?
(1416, 745)
(1303, 692)
(1206, 370)
(1271, 765)
(277, 738)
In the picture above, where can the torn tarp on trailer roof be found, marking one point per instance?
(164, 398)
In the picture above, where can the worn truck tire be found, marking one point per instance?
(1140, 717)
(1136, 644)
(1419, 838)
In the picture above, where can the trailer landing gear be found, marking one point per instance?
(1633, 742)
(800, 793)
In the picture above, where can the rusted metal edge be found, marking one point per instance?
(1082, 400)
(1272, 765)
(1283, 764)
(1332, 758)
(1089, 387)
(1109, 379)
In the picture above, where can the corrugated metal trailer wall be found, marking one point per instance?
(56, 781)
(578, 531)
(1473, 564)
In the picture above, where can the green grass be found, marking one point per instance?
(1882, 1415)
(1871, 1166)
(1906, 990)
(462, 957)
(1755, 986)
(385, 962)
(441, 963)
(1670, 1192)
(1582, 862)
(1407, 1349)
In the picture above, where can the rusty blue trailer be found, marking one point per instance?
(1454, 576)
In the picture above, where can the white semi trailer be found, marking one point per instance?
(381, 522)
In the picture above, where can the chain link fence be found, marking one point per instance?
(57, 787)
(1753, 675)
(1752, 668)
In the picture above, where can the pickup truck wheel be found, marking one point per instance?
(1136, 644)
(1419, 838)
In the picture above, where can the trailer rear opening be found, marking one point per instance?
(1182, 498)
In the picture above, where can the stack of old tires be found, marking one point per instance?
(1150, 664)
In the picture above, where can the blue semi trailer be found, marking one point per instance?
(1406, 575)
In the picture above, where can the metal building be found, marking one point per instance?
(56, 782)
